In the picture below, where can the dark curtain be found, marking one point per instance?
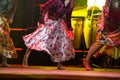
(27, 13)
(26, 16)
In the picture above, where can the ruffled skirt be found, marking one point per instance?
(54, 38)
(6, 44)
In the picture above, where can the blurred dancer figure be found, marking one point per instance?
(108, 32)
(7, 50)
(54, 32)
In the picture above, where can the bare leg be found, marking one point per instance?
(25, 59)
(93, 49)
(4, 62)
(59, 66)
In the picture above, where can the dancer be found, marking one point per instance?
(108, 32)
(54, 32)
(7, 49)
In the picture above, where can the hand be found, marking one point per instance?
(41, 5)
(10, 21)
(70, 28)
(99, 29)
(40, 25)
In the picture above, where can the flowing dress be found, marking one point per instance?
(110, 35)
(6, 44)
(54, 38)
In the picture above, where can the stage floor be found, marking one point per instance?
(17, 72)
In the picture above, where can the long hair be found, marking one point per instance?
(112, 20)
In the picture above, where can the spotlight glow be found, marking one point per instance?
(98, 3)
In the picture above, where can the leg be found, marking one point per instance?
(93, 49)
(25, 59)
(4, 62)
(59, 66)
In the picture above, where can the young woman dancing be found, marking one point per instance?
(54, 32)
(7, 49)
(108, 32)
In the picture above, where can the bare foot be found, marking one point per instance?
(60, 68)
(86, 64)
(25, 64)
(6, 65)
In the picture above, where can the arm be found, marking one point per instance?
(69, 14)
(11, 8)
(101, 19)
(68, 20)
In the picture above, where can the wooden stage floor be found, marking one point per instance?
(17, 72)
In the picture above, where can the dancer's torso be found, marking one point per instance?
(113, 18)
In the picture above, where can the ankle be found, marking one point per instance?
(5, 65)
(4, 60)
(87, 65)
(25, 62)
(59, 66)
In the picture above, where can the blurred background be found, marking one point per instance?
(84, 22)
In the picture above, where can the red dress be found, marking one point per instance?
(111, 32)
(54, 37)
(110, 35)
